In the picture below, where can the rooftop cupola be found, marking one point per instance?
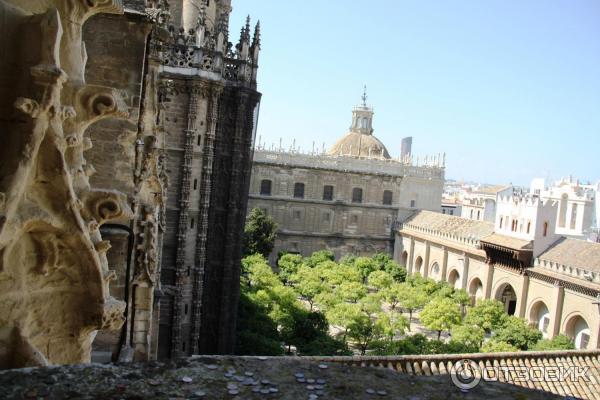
(362, 117)
(359, 141)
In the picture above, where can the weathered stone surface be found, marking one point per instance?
(240, 378)
(54, 275)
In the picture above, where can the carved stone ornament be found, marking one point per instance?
(54, 275)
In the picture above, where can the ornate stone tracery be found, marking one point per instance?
(54, 275)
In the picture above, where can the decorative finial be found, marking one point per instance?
(364, 96)
(256, 39)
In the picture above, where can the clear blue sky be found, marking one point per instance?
(510, 90)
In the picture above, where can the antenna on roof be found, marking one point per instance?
(364, 96)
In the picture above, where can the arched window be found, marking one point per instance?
(265, 187)
(501, 220)
(357, 194)
(545, 228)
(192, 223)
(573, 216)
(528, 226)
(478, 214)
(299, 190)
(387, 197)
(195, 184)
(471, 214)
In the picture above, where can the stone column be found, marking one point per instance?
(397, 245)
(444, 271)
(522, 299)
(182, 224)
(558, 296)
(411, 256)
(426, 260)
(465, 272)
(212, 96)
(488, 279)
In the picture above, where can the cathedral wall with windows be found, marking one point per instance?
(319, 208)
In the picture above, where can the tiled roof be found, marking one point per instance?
(508, 241)
(513, 362)
(492, 189)
(574, 253)
(450, 224)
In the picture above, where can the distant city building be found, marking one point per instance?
(346, 199)
(576, 216)
(480, 204)
(451, 205)
(406, 147)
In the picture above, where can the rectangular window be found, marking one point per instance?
(328, 192)
(297, 214)
(387, 198)
(451, 212)
(354, 219)
(357, 194)
(585, 339)
(265, 187)
(413, 203)
(299, 190)
(326, 217)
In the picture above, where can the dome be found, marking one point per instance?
(356, 144)
(359, 141)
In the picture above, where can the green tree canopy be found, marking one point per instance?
(494, 346)
(308, 283)
(256, 332)
(411, 298)
(259, 233)
(288, 265)
(559, 342)
(350, 291)
(391, 324)
(365, 266)
(440, 314)
(318, 257)
(342, 314)
(387, 264)
(516, 332)
(469, 335)
(487, 314)
(362, 330)
(380, 280)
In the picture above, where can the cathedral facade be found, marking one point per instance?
(346, 199)
(128, 136)
(184, 166)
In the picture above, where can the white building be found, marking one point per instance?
(480, 204)
(577, 206)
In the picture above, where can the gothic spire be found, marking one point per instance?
(245, 34)
(256, 39)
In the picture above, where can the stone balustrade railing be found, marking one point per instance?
(349, 164)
